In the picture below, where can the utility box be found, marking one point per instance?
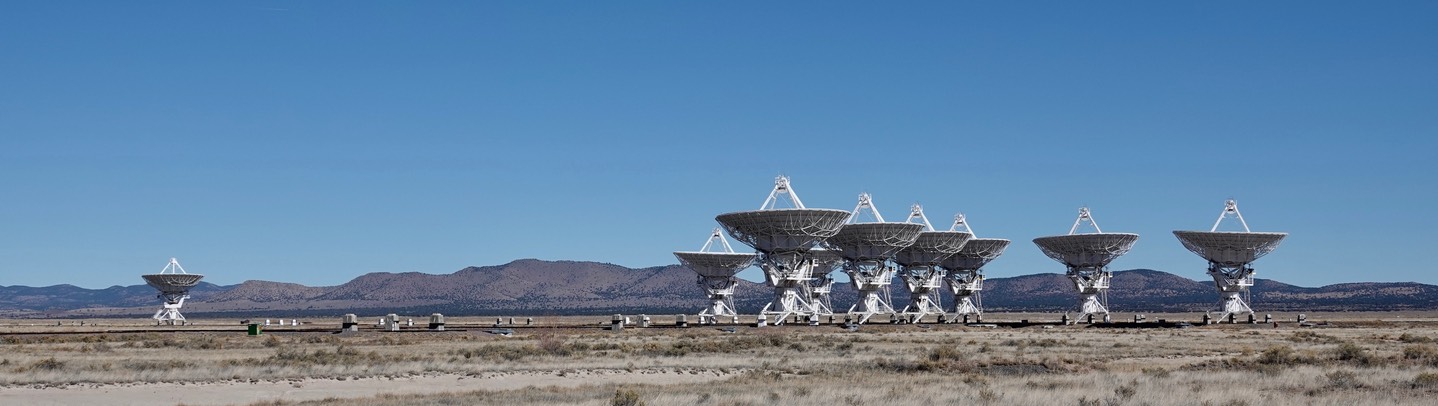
(617, 323)
(644, 320)
(436, 322)
(349, 322)
(392, 322)
(680, 321)
(255, 329)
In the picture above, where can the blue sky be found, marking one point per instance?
(313, 142)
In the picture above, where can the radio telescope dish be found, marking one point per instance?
(919, 266)
(976, 253)
(174, 285)
(1229, 256)
(1086, 250)
(1087, 257)
(783, 237)
(867, 249)
(716, 264)
(716, 274)
(932, 247)
(874, 241)
(1230, 248)
(964, 270)
(781, 230)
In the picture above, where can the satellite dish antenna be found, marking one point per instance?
(784, 237)
(867, 249)
(716, 265)
(1230, 256)
(174, 285)
(919, 266)
(1087, 257)
(963, 270)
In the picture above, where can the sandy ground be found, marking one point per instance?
(226, 393)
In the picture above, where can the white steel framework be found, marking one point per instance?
(867, 249)
(1230, 256)
(822, 283)
(1087, 257)
(919, 266)
(174, 285)
(716, 265)
(963, 271)
(783, 237)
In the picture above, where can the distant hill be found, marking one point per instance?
(535, 287)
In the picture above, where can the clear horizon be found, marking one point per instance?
(315, 142)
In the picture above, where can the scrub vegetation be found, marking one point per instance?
(1389, 363)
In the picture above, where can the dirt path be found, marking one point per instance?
(227, 393)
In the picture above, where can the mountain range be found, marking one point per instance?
(537, 287)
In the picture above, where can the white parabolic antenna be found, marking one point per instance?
(1230, 255)
(1087, 257)
(919, 265)
(174, 285)
(963, 270)
(783, 237)
(867, 249)
(716, 271)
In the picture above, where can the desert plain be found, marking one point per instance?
(1335, 359)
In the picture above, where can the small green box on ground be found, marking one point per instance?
(255, 329)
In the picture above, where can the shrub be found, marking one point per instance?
(1312, 337)
(988, 395)
(1353, 353)
(48, 364)
(1125, 392)
(552, 345)
(1426, 380)
(1277, 355)
(1421, 353)
(1157, 372)
(1414, 339)
(1343, 380)
(626, 397)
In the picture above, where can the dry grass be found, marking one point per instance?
(1387, 363)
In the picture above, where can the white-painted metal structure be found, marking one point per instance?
(822, 283)
(174, 285)
(919, 266)
(784, 238)
(1230, 256)
(963, 271)
(716, 271)
(867, 249)
(1087, 257)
